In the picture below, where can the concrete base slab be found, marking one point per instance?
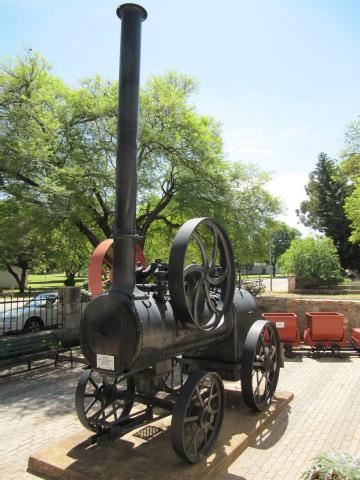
(147, 452)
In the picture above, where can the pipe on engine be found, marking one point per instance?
(125, 235)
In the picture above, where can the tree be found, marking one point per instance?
(32, 238)
(351, 167)
(324, 210)
(69, 252)
(314, 262)
(24, 239)
(57, 148)
(281, 239)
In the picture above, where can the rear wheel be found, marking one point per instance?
(33, 325)
(260, 365)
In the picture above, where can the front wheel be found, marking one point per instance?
(33, 325)
(260, 365)
(197, 416)
(100, 402)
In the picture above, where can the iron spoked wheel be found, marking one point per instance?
(197, 416)
(201, 274)
(100, 403)
(260, 365)
(174, 380)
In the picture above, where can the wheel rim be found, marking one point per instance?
(197, 416)
(201, 274)
(34, 326)
(260, 365)
(101, 402)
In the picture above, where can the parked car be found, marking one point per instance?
(42, 311)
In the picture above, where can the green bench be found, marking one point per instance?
(26, 349)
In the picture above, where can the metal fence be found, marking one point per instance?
(30, 312)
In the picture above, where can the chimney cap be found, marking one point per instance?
(131, 7)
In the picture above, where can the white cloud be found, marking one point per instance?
(290, 189)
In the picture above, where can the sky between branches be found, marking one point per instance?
(282, 76)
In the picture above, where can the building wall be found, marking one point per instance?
(349, 308)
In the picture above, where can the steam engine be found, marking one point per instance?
(165, 336)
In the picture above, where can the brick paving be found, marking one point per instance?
(37, 409)
(324, 416)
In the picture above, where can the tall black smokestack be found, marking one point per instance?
(125, 235)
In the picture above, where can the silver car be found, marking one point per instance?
(40, 312)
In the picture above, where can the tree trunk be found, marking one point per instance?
(19, 280)
(274, 269)
(87, 232)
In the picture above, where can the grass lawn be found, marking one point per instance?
(51, 280)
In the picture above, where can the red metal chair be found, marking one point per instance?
(287, 327)
(325, 330)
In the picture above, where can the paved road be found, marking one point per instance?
(278, 284)
(37, 409)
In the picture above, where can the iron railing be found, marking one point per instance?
(31, 311)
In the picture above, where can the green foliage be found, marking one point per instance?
(69, 250)
(351, 153)
(351, 168)
(334, 466)
(352, 209)
(57, 152)
(314, 262)
(17, 345)
(324, 210)
(30, 239)
(281, 239)
(249, 213)
(25, 237)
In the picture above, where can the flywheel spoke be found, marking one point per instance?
(201, 274)
(110, 400)
(91, 404)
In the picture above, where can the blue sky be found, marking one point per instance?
(282, 76)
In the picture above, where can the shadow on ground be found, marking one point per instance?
(49, 389)
(273, 433)
(77, 457)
